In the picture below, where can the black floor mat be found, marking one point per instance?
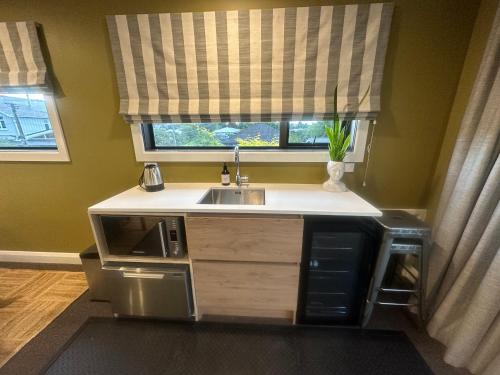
(108, 346)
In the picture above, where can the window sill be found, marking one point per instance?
(246, 155)
(23, 155)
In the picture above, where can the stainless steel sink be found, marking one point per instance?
(234, 196)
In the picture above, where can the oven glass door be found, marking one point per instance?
(143, 236)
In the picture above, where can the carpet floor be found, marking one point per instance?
(109, 346)
(38, 353)
(30, 300)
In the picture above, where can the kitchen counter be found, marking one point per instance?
(302, 199)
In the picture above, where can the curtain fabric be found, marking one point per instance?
(21, 59)
(250, 65)
(464, 272)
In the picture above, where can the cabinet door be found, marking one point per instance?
(258, 239)
(246, 289)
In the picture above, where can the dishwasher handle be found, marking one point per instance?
(140, 275)
(132, 273)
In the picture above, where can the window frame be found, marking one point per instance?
(152, 147)
(293, 154)
(58, 154)
(309, 146)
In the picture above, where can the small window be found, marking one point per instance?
(31, 129)
(214, 135)
(254, 135)
(312, 134)
(294, 141)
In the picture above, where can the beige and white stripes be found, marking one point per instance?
(250, 65)
(21, 60)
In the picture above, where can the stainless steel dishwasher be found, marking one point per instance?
(150, 290)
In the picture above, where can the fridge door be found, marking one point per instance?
(158, 292)
(336, 269)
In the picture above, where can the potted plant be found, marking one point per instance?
(338, 143)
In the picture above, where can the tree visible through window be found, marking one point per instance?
(217, 135)
(293, 134)
(25, 123)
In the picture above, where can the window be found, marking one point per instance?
(214, 135)
(253, 135)
(31, 129)
(311, 134)
(294, 141)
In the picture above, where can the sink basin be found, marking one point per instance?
(234, 196)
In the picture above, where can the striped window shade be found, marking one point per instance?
(250, 65)
(21, 60)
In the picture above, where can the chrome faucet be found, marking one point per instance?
(240, 180)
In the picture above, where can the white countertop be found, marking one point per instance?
(303, 199)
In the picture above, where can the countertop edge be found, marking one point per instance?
(95, 211)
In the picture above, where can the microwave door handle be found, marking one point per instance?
(163, 238)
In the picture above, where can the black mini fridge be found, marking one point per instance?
(337, 261)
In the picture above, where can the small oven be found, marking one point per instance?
(143, 236)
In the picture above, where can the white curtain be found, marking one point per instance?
(464, 272)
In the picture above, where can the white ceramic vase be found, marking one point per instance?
(335, 170)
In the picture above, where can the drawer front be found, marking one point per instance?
(245, 287)
(245, 239)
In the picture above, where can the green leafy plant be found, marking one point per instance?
(338, 139)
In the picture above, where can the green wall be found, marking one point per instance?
(43, 205)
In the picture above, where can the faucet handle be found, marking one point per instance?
(244, 180)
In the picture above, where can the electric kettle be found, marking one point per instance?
(151, 179)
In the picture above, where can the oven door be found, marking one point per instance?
(143, 236)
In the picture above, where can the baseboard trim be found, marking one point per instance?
(13, 256)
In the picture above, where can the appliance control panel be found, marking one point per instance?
(175, 236)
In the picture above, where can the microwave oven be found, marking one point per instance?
(143, 236)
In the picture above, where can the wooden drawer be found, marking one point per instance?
(258, 239)
(246, 289)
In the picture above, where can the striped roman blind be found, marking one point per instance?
(21, 60)
(250, 65)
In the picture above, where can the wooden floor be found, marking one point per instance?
(30, 300)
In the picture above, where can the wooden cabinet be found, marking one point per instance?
(246, 289)
(245, 265)
(245, 238)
